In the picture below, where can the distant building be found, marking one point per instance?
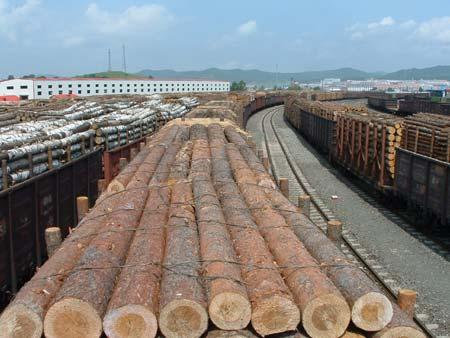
(45, 88)
(330, 81)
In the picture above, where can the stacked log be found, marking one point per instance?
(364, 141)
(427, 134)
(56, 136)
(25, 315)
(200, 232)
(371, 310)
(133, 307)
(228, 304)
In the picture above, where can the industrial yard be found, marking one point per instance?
(222, 215)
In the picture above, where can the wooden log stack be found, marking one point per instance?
(198, 241)
(53, 135)
(427, 134)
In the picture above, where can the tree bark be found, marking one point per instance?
(182, 298)
(228, 305)
(325, 313)
(273, 307)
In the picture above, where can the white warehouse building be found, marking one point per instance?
(45, 88)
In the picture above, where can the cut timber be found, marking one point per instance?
(325, 312)
(273, 307)
(52, 239)
(182, 299)
(82, 207)
(371, 309)
(228, 304)
(401, 326)
(24, 317)
(133, 308)
(230, 334)
(123, 178)
(406, 300)
(93, 279)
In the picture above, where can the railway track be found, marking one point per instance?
(283, 165)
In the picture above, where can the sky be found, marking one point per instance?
(72, 37)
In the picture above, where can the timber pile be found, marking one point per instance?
(427, 134)
(365, 140)
(216, 109)
(199, 232)
(54, 137)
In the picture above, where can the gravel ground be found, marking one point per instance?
(407, 260)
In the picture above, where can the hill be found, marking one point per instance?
(111, 74)
(431, 73)
(259, 77)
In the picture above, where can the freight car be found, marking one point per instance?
(383, 103)
(371, 151)
(423, 182)
(28, 208)
(410, 106)
(259, 103)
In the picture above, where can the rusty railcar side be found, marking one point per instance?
(423, 182)
(28, 208)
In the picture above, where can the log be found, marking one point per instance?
(134, 304)
(406, 300)
(121, 180)
(85, 293)
(401, 326)
(325, 313)
(182, 299)
(52, 240)
(230, 334)
(228, 304)
(24, 317)
(82, 207)
(273, 307)
(371, 309)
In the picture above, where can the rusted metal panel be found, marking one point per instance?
(28, 208)
(419, 181)
(423, 182)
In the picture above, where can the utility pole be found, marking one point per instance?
(124, 61)
(109, 60)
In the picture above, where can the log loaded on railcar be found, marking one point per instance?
(403, 157)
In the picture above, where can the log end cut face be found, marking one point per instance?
(275, 315)
(326, 316)
(19, 321)
(401, 332)
(183, 318)
(372, 312)
(72, 318)
(230, 334)
(130, 321)
(230, 311)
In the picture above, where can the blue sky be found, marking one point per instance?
(67, 38)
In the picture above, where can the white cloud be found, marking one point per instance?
(435, 30)
(234, 38)
(408, 24)
(146, 19)
(385, 22)
(16, 20)
(247, 28)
